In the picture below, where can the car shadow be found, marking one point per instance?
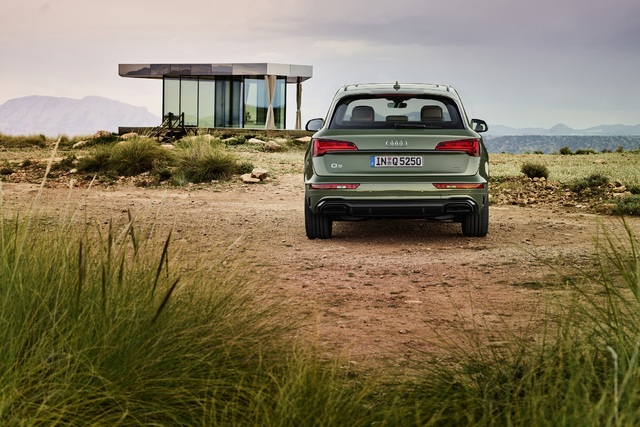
(396, 230)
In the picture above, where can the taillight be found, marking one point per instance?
(463, 186)
(334, 186)
(321, 146)
(469, 146)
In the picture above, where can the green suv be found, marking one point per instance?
(396, 151)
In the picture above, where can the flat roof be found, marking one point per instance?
(293, 73)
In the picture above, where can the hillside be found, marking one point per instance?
(53, 116)
(553, 143)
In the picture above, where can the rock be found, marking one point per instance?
(248, 179)
(100, 134)
(129, 135)
(168, 146)
(79, 144)
(304, 139)
(259, 173)
(255, 141)
(272, 146)
(618, 190)
(600, 162)
(281, 140)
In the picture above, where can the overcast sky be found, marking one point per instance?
(515, 63)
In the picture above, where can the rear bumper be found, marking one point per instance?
(410, 209)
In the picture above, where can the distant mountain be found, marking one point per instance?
(560, 129)
(54, 116)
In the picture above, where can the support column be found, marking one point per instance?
(298, 104)
(270, 82)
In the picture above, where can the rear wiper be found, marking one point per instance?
(416, 126)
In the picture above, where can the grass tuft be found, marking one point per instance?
(535, 170)
(202, 159)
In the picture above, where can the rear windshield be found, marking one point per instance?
(396, 110)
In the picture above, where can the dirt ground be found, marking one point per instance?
(378, 293)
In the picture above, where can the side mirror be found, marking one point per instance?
(479, 125)
(314, 125)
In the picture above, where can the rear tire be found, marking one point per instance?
(476, 225)
(317, 226)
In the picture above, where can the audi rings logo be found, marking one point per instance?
(396, 143)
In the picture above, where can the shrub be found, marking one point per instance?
(67, 162)
(24, 141)
(245, 167)
(629, 205)
(96, 161)
(565, 151)
(202, 160)
(238, 140)
(585, 151)
(593, 181)
(136, 156)
(535, 170)
(620, 149)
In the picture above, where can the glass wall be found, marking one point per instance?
(206, 105)
(189, 101)
(224, 101)
(171, 96)
(228, 104)
(255, 103)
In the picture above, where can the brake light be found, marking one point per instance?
(459, 186)
(321, 146)
(469, 146)
(334, 186)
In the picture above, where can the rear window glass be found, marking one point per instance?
(395, 110)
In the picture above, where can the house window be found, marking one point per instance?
(224, 101)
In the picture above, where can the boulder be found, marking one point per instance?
(259, 173)
(100, 134)
(129, 135)
(247, 178)
(272, 146)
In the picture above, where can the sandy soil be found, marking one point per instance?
(378, 293)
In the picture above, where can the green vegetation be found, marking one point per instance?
(98, 327)
(593, 182)
(136, 156)
(202, 159)
(583, 368)
(38, 141)
(629, 205)
(104, 325)
(623, 167)
(535, 170)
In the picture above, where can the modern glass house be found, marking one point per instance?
(252, 96)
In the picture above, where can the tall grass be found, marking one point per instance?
(583, 369)
(202, 159)
(97, 327)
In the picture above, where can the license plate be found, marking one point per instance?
(395, 161)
